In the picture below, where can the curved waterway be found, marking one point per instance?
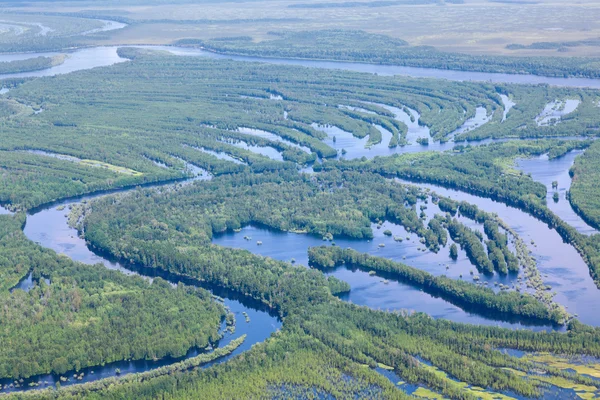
(547, 172)
(379, 292)
(102, 56)
(560, 265)
(48, 227)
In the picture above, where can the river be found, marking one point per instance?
(560, 264)
(87, 58)
(548, 171)
(48, 227)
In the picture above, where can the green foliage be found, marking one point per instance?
(31, 64)
(348, 45)
(477, 171)
(584, 189)
(290, 364)
(465, 294)
(166, 108)
(90, 316)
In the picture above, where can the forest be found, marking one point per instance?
(77, 316)
(484, 171)
(274, 110)
(584, 189)
(360, 46)
(180, 150)
(31, 64)
(459, 291)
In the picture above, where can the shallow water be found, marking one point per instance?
(374, 291)
(266, 151)
(508, 104)
(27, 283)
(559, 263)
(480, 118)
(273, 137)
(547, 171)
(219, 154)
(554, 111)
(108, 26)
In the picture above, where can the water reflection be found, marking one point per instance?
(379, 291)
(102, 56)
(561, 266)
(556, 171)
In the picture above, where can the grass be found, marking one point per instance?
(476, 391)
(110, 167)
(591, 369)
(427, 394)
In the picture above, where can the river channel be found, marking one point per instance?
(91, 57)
(48, 227)
(560, 264)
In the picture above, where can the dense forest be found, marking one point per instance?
(247, 109)
(584, 189)
(78, 316)
(263, 135)
(31, 64)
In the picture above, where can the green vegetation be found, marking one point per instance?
(135, 379)
(37, 33)
(459, 292)
(31, 64)
(477, 170)
(328, 205)
(584, 189)
(142, 121)
(89, 315)
(132, 114)
(33, 179)
(347, 45)
(287, 365)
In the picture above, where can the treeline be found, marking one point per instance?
(456, 291)
(474, 171)
(31, 64)
(341, 45)
(584, 192)
(88, 315)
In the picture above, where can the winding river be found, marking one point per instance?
(560, 264)
(102, 56)
(48, 227)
